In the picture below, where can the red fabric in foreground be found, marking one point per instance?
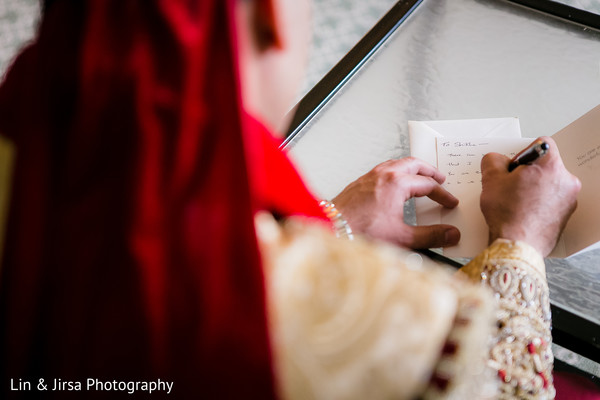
(574, 387)
(131, 252)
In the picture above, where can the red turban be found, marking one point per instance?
(130, 249)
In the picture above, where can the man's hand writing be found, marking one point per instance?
(531, 203)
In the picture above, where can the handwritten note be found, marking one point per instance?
(460, 160)
(456, 148)
(588, 155)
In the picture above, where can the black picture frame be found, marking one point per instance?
(318, 96)
(570, 330)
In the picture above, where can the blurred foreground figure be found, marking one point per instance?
(131, 252)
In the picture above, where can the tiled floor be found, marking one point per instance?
(589, 5)
(18, 19)
(337, 26)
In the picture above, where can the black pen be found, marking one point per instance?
(529, 154)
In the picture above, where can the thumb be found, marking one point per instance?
(493, 163)
(425, 237)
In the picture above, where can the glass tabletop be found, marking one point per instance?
(457, 59)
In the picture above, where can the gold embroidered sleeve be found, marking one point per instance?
(363, 320)
(521, 352)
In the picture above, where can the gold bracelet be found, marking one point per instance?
(341, 227)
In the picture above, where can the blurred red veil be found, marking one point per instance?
(130, 251)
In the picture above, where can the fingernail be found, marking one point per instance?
(452, 236)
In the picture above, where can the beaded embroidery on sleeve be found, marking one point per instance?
(521, 352)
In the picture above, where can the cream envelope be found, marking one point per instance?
(579, 145)
(423, 135)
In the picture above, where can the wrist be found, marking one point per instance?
(538, 241)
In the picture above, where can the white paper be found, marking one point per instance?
(423, 136)
(459, 159)
(441, 144)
